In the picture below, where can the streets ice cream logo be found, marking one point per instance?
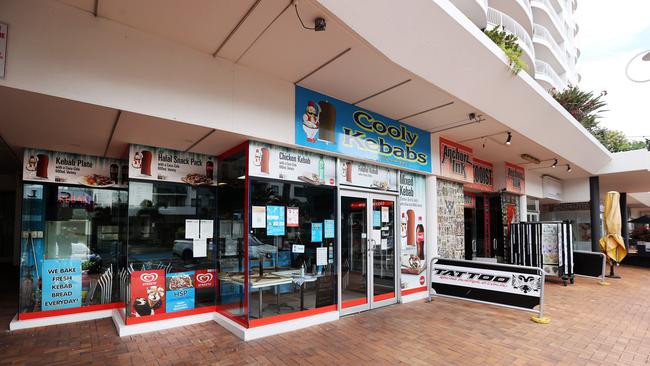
(148, 277)
(204, 278)
(526, 284)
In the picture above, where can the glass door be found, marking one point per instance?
(368, 254)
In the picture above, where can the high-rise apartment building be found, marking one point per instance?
(546, 31)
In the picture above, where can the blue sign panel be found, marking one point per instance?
(316, 232)
(61, 283)
(329, 124)
(180, 291)
(329, 229)
(274, 220)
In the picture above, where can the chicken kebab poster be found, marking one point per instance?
(412, 220)
(147, 293)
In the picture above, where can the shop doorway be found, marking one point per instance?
(368, 251)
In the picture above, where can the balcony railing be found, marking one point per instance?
(559, 22)
(543, 33)
(544, 69)
(496, 18)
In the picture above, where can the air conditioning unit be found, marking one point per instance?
(551, 187)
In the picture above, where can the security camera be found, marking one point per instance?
(319, 24)
(472, 116)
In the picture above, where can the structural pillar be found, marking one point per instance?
(594, 208)
(624, 219)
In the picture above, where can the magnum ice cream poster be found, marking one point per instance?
(147, 293)
(155, 163)
(287, 164)
(357, 174)
(329, 124)
(74, 169)
(412, 196)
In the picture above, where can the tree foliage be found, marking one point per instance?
(586, 107)
(508, 44)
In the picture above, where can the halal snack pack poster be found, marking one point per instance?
(366, 175)
(154, 163)
(288, 164)
(330, 124)
(412, 197)
(70, 168)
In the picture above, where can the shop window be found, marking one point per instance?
(231, 294)
(170, 271)
(72, 242)
(291, 248)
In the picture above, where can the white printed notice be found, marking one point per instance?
(207, 229)
(292, 217)
(200, 249)
(384, 214)
(192, 230)
(298, 248)
(258, 217)
(321, 256)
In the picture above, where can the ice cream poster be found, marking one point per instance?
(147, 293)
(329, 124)
(412, 196)
(155, 163)
(61, 284)
(76, 169)
(287, 164)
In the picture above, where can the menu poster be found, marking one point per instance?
(287, 164)
(412, 205)
(258, 214)
(483, 176)
(321, 256)
(275, 220)
(205, 278)
(316, 232)
(68, 168)
(329, 229)
(147, 292)
(154, 163)
(180, 291)
(293, 217)
(515, 178)
(357, 174)
(456, 161)
(61, 284)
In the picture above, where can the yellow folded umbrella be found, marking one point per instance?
(612, 243)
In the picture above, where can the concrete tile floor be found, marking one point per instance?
(591, 325)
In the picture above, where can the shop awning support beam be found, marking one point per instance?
(323, 65)
(110, 138)
(234, 30)
(425, 111)
(199, 140)
(382, 91)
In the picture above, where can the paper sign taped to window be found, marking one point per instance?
(200, 248)
(192, 229)
(321, 256)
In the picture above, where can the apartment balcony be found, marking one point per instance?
(519, 10)
(547, 77)
(547, 49)
(544, 14)
(475, 10)
(496, 18)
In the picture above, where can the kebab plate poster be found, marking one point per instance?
(154, 163)
(69, 168)
(412, 227)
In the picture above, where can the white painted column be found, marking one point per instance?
(523, 208)
(432, 217)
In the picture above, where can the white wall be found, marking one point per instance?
(59, 50)
(534, 184)
(576, 190)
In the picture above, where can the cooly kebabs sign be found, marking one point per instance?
(520, 287)
(456, 161)
(287, 164)
(329, 124)
(69, 168)
(154, 163)
(368, 176)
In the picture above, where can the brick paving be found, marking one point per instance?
(591, 325)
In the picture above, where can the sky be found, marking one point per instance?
(610, 33)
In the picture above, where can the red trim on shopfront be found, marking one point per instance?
(79, 310)
(246, 221)
(355, 302)
(413, 290)
(290, 316)
(382, 297)
(233, 151)
(163, 316)
(239, 319)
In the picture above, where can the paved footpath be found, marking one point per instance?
(591, 325)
